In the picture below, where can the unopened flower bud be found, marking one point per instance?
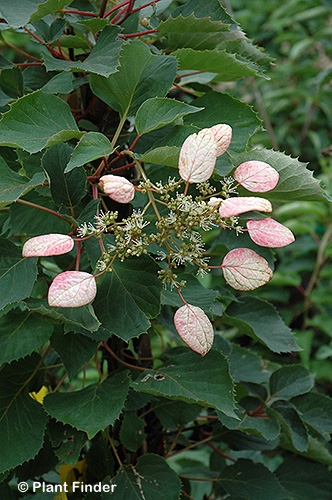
(214, 202)
(118, 188)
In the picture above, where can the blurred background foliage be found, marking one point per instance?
(296, 106)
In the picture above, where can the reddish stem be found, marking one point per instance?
(114, 9)
(134, 142)
(145, 5)
(221, 453)
(88, 109)
(22, 51)
(25, 65)
(44, 209)
(119, 15)
(140, 33)
(78, 12)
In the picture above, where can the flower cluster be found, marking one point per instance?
(171, 226)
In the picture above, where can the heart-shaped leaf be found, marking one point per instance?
(72, 289)
(241, 204)
(256, 176)
(269, 233)
(245, 270)
(198, 157)
(47, 244)
(195, 328)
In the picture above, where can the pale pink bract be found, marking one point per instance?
(194, 328)
(256, 176)
(47, 245)
(269, 233)
(245, 270)
(241, 204)
(118, 188)
(198, 156)
(223, 137)
(72, 289)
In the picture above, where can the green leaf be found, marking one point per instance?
(36, 121)
(91, 409)
(246, 366)
(62, 83)
(222, 108)
(134, 83)
(188, 377)
(13, 185)
(74, 350)
(316, 411)
(16, 12)
(67, 441)
(165, 155)
(157, 112)
(173, 414)
(251, 481)
(22, 419)
(290, 381)
(103, 59)
(226, 65)
(305, 480)
(67, 189)
(21, 334)
(49, 7)
(11, 82)
(150, 478)
(17, 275)
(128, 297)
(92, 145)
(290, 422)
(296, 182)
(131, 432)
(251, 315)
(262, 427)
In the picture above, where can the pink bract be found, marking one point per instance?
(72, 289)
(118, 188)
(223, 137)
(47, 245)
(245, 270)
(269, 233)
(194, 328)
(241, 204)
(198, 156)
(256, 176)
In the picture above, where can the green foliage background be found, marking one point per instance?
(127, 403)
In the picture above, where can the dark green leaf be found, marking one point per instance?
(305, 480)
(255, 426)
(67, 189)
(22, 419)
(246, 366)
(11, 82)
(164, 155)
(188, 377)
(132, 435)
(37, 121)
(91, 409)
(21, 334)
(13, 185)
(251, 315)
(48, 7)
(151, 478)
(16, 12)
(74, 350)
(251, 481)
(134, 83)
(62, 83)
(290, 381)
(157, 112)
(316, 411)
(67, 441)
(17, 274)
(93, 145)
(222, 108)
(128, 297)
(290, 422)
(172, 414)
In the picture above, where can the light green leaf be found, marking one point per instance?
(13, 185)
(49, 7)
(304, 479)
(103, 59)
(91, 409)
(134, 83)
(21, 334)
(251, 481)
(228, 67)
(290, 381)
(296, 182)
(17, 275)
(148, 479)
(157, 112)
(128, 297)
(37, 121)
(188, 377)
(164, 155)
(22, 419)
(74, 350)
(62, 83)
(92, 145)
(290, 422)
(251, 315)
(67, 189)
